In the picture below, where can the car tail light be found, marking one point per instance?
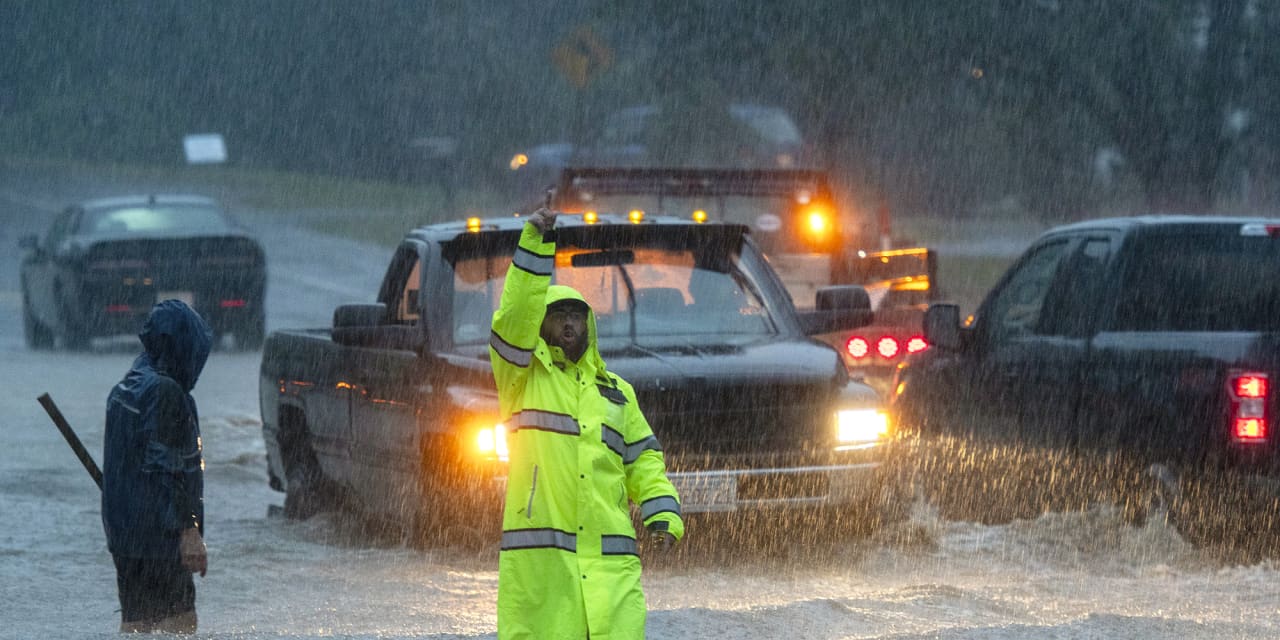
(887, 347)
(917, 344)
(233, 303)
(118, 308)
(1249, 394)
(857, 347)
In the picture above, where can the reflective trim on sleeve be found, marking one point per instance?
(636, 448)
(509, 352)
(628, 452)
(539, 539)
(618, 546)
(545, 421)
(660, 504)
(538, 265)
(613, 440)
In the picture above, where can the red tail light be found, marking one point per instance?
(118, 308)
(857, 347)
(1249, 394)
(887, 347)
(232, 303)
(1251, 386)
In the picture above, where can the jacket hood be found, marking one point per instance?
(559, 293)
(177, 340)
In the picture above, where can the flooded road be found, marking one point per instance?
(1074, 575)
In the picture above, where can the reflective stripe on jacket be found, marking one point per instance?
(580, 452)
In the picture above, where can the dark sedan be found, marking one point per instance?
(103, 263)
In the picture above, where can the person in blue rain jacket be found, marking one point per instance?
(153, 474)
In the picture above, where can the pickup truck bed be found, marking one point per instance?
(1128, 360)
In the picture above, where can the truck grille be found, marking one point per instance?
(740, 426)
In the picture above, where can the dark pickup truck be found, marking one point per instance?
(394, 408)
(1136, 341)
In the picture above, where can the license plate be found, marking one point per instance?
(185, 296)
(801, 485)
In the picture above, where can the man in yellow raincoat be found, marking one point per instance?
(579, 450)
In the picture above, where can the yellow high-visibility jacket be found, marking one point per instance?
(579, 450)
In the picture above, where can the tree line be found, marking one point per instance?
(1043, 106)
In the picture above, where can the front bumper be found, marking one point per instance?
(725, 490)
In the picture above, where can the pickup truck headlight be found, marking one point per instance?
(492, 442)
(854, 426)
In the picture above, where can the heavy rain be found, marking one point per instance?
(1081, 460)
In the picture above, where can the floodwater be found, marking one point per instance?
(1071, 575)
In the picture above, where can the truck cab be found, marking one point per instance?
(395, 407)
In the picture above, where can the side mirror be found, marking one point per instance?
(29, 243)
(846, 297)
(838, 308)
(942, 326)
(365, 325)
(359, 315)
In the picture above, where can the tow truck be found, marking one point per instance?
(810, 241)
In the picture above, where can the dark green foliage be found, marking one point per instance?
(940, 107)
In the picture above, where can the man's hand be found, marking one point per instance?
(194, 556)
(661, 541)
(544, 219)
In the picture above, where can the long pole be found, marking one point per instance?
(67, 432)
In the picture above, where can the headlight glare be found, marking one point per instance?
(861, 425)
(492, 442)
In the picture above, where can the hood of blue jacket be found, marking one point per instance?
(177, 341)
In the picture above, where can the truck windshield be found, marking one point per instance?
(658, 291)
(1201, 282)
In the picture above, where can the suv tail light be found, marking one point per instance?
(1249, 393)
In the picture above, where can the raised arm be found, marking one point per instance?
(519, 316)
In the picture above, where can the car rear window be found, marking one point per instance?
(1205, 281)
(177, 218)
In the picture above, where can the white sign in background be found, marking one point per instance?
(204, 148)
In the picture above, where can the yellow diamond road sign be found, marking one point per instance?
(582, 56)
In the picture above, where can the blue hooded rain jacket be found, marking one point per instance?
(153, 469)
